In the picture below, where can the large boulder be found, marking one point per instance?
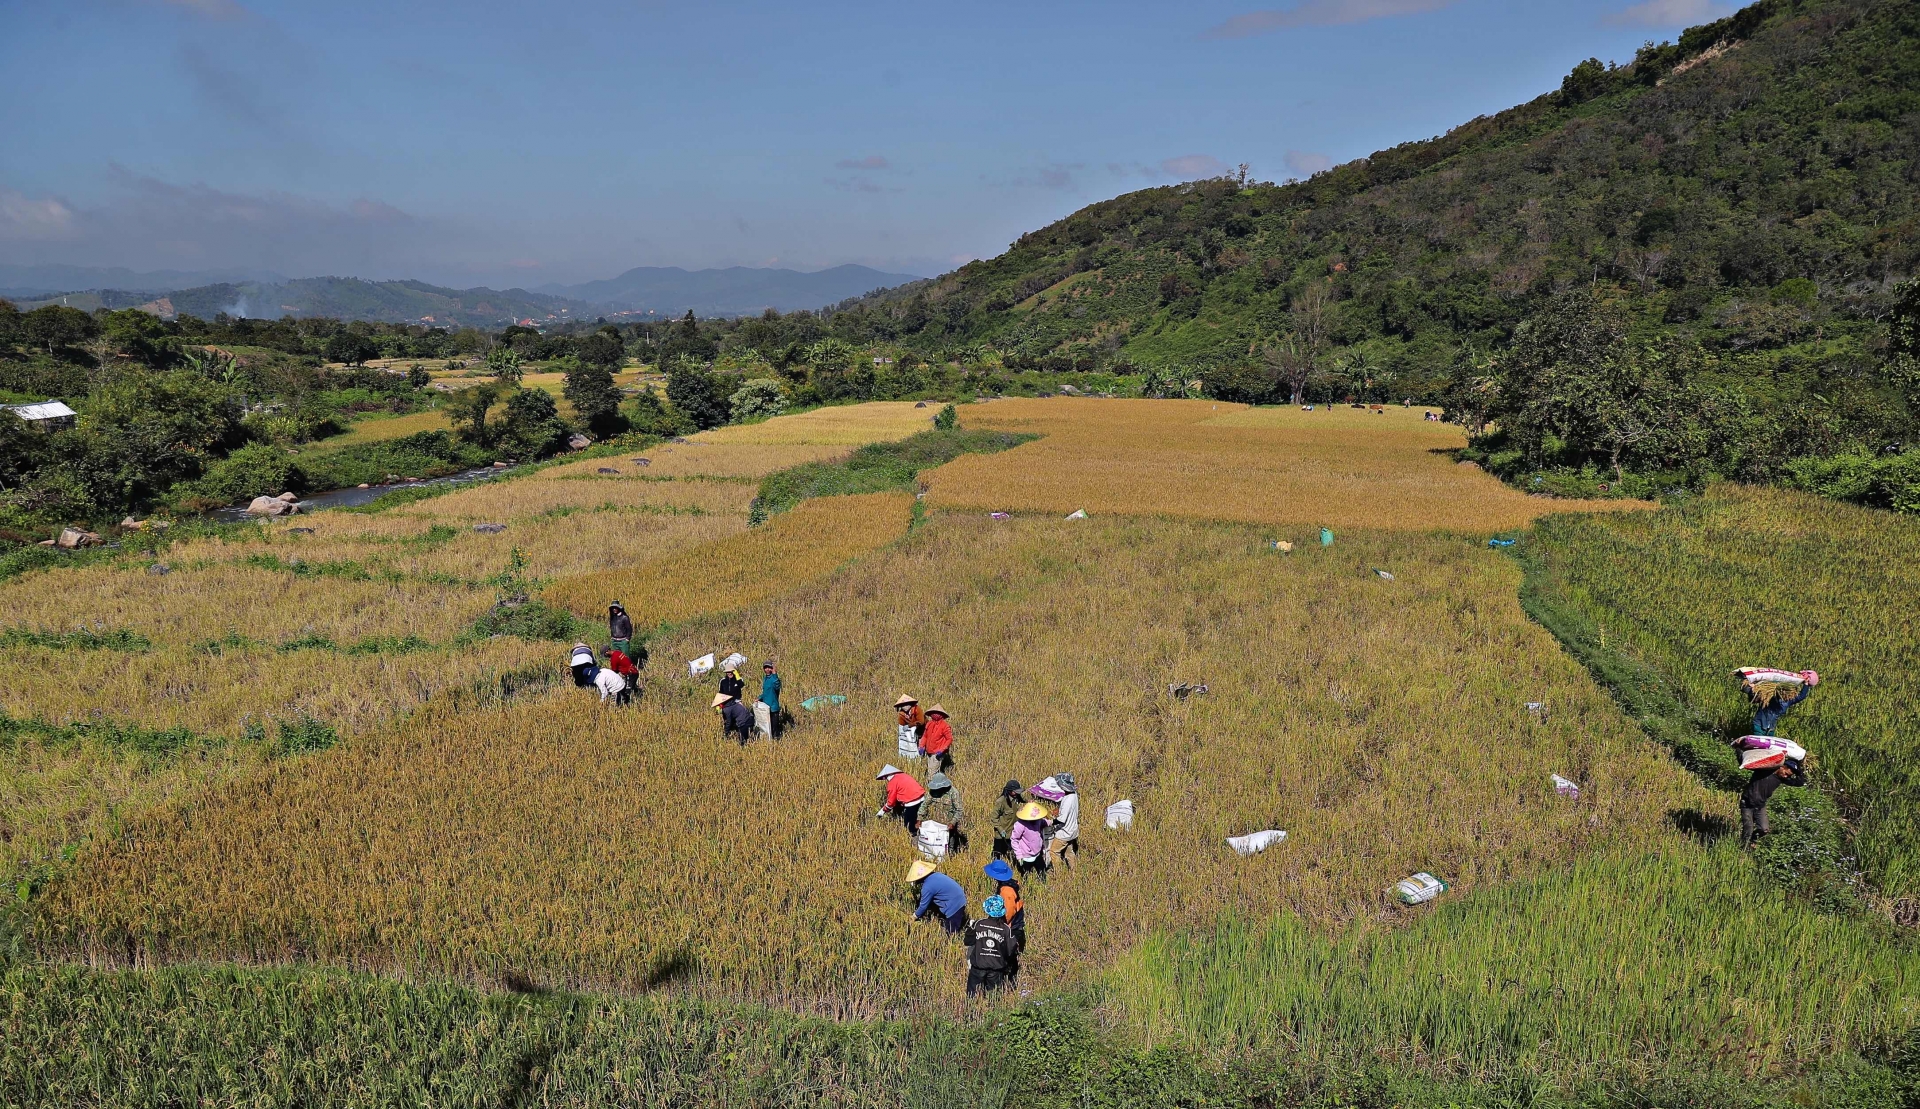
(578, 442)
(271, 506)
(290, 498)
(72, 539)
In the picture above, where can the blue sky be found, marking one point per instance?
(504, 143)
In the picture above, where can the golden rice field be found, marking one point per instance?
(1338, 467)
(57, 793)
(382, 428)
(809, 542)
(846, 426)
(220, 691)
(200, 601)
(1380, 723)
(416, 574)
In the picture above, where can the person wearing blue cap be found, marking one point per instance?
(1008, 887)
(993, 952)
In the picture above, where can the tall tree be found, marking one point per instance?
(468, 409)
(594, 396)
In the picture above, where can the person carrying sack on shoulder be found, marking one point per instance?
(1771, 703)
(993, 951)
(1769, 691)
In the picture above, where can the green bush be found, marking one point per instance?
(874, 468)
(1883, 481)
(255, 470)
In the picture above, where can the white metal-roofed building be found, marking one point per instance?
(50, 415)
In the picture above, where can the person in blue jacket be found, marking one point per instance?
(1767, 712)
(940, 895)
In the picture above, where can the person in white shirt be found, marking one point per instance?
(1066, 825)
(612, 685)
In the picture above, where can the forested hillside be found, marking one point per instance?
(1741, 202)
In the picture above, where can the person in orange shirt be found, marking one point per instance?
(936, 745)
(904, 796)
(1008, 889)
(910, 715)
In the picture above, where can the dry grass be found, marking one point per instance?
(691, 458)
(522, 498)
(221, 692)
(848, 426)
(383, 428)
(1340, 468)
(197, 603)
(1380, 723)
(809, 542)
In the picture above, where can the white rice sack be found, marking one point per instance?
(1255, 842)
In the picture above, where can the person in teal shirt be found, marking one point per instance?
(770, 697)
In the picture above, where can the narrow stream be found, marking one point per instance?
(350, 498)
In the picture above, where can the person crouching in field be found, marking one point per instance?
(736, 719)
(1005, 812)
(904, 796)
(582, 664)
(939, 894)
(612, 685)
(993, 950)
(1029, 838)
(619, 663)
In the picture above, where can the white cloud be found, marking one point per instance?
(1189, 167)
(1321, 13)
(146, 223)
(1304, 163)
(1669, 13)
(26, 219)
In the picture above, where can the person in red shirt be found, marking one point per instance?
(904, 796)
(619, 663)
(937, 744)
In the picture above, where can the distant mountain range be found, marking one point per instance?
(38, 282)
(735, 291)
(346, 298)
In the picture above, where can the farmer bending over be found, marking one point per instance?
(736, 719)
(904, 796)
(939, 894)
